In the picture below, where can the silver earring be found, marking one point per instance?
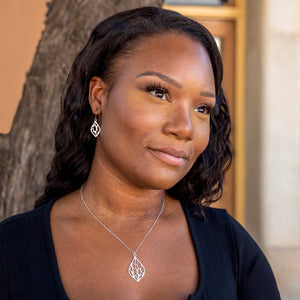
(95, 128)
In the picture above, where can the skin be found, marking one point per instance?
(155, 123)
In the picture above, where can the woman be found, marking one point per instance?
(142, 147)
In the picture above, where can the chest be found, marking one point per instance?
(94, 265)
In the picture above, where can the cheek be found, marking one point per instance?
(126, 121)
(133, 114)
(202, 139)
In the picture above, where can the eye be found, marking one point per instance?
(157, 90)
(159, 93)
(203, 109)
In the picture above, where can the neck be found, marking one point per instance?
(114, 198)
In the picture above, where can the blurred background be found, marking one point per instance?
(260, 44)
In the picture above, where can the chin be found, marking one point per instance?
(163, 183)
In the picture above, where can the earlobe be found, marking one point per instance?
(97, 94)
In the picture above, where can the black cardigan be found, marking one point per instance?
(231, 265)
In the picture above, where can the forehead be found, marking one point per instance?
(171, 53)
(167, 43)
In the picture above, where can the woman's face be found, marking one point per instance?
(156, 115)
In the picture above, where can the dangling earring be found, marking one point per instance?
(95, 128)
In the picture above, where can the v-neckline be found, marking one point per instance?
(54, 265)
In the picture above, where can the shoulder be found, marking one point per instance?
(254, 276)
(213, 237)
(26, 216)
(216, 219)
(25, 223)
(210, 214)
(23, 216)
(219, 228)
(25, 236)
(26, 255)
(213, 219)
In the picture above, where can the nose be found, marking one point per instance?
(179, 123)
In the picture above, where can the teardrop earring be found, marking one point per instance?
(95, 128)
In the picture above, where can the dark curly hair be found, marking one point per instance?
(110, 39)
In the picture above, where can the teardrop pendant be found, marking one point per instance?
(95, 128)
(136, 270)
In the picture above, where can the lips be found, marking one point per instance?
(171, 156)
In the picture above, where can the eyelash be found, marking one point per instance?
(151, 86)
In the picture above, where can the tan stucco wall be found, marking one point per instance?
(21, 25)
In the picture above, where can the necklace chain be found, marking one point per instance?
(103, 225)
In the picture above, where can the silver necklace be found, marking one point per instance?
(136, 269)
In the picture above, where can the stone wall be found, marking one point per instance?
(272, 136)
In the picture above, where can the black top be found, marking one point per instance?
(231, 265)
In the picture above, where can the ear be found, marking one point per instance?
(97, 94)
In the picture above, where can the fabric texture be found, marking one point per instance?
(231, 265)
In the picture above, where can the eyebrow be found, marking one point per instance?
(162, 77)
(207, 94)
